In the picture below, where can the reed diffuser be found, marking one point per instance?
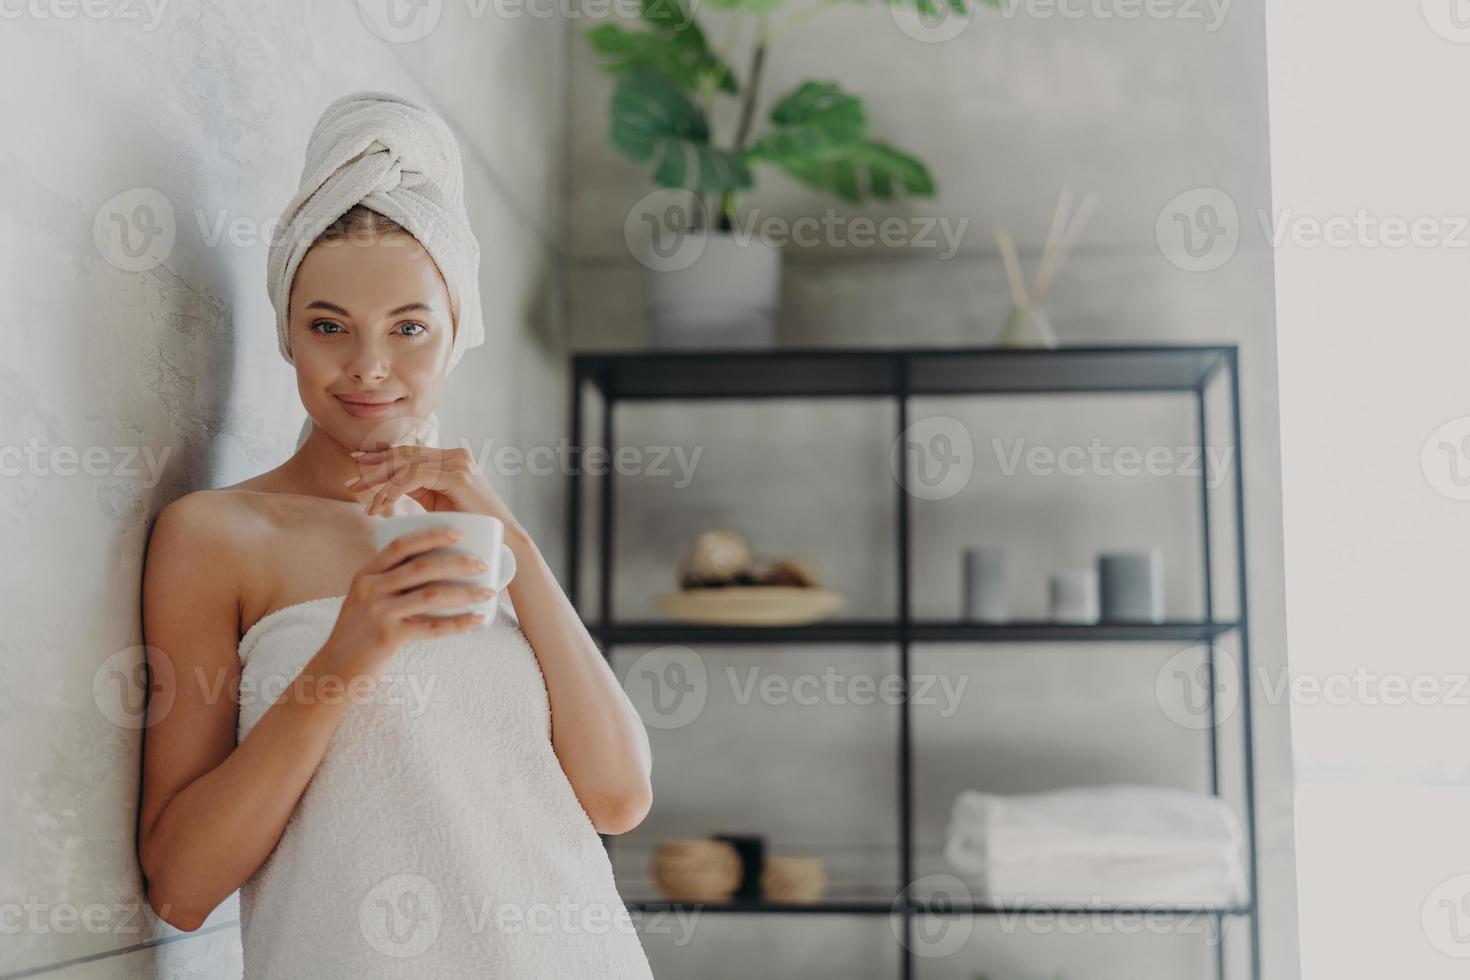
(1027, 324)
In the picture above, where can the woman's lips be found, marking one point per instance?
(365, 411)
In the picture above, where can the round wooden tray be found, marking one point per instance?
(751, 605)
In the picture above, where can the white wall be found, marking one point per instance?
(1366, 135)
(208, 109)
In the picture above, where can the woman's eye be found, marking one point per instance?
(327, 327)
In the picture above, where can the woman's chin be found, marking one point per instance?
(399, 429)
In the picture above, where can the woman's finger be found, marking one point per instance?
(431, 568)
(439, 595)
(430, 475)
(425, 627)
(385, 461)
(382, 502)
(408, 545)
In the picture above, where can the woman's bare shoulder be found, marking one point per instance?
(210, 534)
(191, 584)
(215, 517)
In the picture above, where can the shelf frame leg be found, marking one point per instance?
(1243, 631)
(1207, 583)
(905, 720)
(1207, 580)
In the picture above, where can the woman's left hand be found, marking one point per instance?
(438, 478)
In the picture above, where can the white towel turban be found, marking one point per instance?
(400, 159)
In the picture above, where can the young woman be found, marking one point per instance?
(394, 794)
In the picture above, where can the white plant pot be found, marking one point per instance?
(713, 291)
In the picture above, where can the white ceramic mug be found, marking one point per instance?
(484, 537)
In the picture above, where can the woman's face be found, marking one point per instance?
(371, 336)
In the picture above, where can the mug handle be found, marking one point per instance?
(507, 567)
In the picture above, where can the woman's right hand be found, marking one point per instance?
(391, 592)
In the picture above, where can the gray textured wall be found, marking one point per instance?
(210, 108)
(1005, 113)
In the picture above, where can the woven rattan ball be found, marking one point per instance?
(794, 879)
(688, 870)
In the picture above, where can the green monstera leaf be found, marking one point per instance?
(820, 137)
(750, 6)
(865, 169)
(675, 46)
(930, 8)
(656, 125)
(815, 118)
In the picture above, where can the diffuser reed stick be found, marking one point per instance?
(1053, 240)
(1058, 247)
(1013, 266)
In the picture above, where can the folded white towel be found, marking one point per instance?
(1135, 883)
(1111, 844)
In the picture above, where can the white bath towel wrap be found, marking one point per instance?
(439, 836)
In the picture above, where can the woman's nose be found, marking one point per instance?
(369, 363)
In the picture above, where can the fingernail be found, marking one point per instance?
(487, 593)
(355, 452)
(353, 482)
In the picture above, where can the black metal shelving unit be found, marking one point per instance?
(901, 374)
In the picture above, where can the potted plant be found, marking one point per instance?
(707, 281)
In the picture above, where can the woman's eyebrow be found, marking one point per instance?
(321, 304)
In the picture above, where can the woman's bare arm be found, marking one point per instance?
(598, 737)
(211, 812)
